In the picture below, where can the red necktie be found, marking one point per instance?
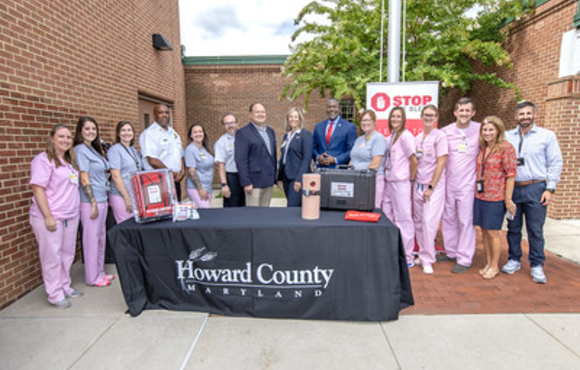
(329, 133)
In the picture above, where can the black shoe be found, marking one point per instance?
(459, 269)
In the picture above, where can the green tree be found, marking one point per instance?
(443, 38)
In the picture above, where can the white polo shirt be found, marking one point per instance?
(224, 152)
(165, 145)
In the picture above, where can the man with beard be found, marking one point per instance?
(161, 147)
(333, 138)
(539, 168)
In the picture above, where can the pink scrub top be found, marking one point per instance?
(431, 148)
(61, 186)
(397, 157)
(463, 151)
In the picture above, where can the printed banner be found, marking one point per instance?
(413, 96)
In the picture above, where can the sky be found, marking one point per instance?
(238, 27)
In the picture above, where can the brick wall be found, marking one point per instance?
(61, 59)
(212, 90)
(534, 45)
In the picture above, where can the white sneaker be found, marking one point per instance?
(511, 267)
(428, 269)
(538, 275)
(418, 261)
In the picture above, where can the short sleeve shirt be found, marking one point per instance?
(125, 159)
(161, 144)
(397, 157)
(463, 149)
(90, 161)
(203, 162)
(364, 149)
(432, 147)
(224, 152)
(499, 165)
(60, 186)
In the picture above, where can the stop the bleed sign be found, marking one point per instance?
(412, 96)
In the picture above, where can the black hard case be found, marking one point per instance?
(347, 189)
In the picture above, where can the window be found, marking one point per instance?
(347, 110)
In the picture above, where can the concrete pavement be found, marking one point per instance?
(95, 333)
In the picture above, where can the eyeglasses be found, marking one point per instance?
(366, 120)
(429, 116)
(230, 123)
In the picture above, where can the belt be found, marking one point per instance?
(232, 173)
(526, 183)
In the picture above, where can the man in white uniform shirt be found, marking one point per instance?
(232, 190)
(161, 147)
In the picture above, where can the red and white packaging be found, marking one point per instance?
(153, 195)
(362, 216)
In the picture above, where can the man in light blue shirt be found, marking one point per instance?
(539, 168)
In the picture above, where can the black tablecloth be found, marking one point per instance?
(264, 262)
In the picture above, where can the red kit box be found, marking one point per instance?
(153, 195)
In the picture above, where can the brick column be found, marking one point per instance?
(562, 115)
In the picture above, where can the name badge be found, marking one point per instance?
(362, 145)
(74, 179)
(283, 144)
(462, 147)
(419, 153)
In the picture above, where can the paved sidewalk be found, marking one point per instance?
(95, 333)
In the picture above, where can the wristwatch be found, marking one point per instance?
(430, 186)
(224, 184)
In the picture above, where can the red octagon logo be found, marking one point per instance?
(380, 102)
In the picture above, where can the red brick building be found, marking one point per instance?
(216, 85)
(62, 59)
(543, 47)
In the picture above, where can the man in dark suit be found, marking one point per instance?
(256, 158)
(333, 138)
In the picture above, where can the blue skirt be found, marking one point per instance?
(488, 215)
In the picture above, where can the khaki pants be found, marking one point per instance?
(259, 197)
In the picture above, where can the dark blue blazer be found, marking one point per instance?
(256, 166)
(299, 156)
(341, 141)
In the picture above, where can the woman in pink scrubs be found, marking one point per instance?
(429, 191)
(400, 166)
(54, 214)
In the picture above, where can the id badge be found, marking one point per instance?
(521, 161)
(74, 179)
(362, 145)
(419, 153)
(462, 147)
(387, 172)
(479, 186)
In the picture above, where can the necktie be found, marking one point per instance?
(329, 133)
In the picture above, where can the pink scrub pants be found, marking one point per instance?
(94, 234)
(118, 206)
(397, 207)
(457, 227)
(379, 191)
(57, 252)
(193, 195)
(427, 217)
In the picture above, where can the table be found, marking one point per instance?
(264, 262)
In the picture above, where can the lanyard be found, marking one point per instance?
(391, 143)
(521, 142)
(484, 160)
(98, 156)
(133, 155)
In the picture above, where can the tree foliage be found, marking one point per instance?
(443, 38)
